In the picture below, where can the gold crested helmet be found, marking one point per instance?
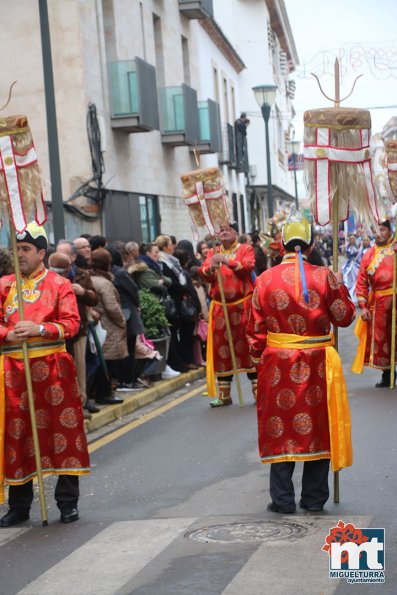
(296, 227)
(34, 234)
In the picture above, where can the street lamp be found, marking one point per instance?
(293, 149)
(265, 95)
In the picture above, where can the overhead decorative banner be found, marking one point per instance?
(204, 194)
(391, 156)
(21, 196)
(338, 163)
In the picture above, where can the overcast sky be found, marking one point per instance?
(363, 33)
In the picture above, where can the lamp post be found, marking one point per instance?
(265, 95)
(293, 148)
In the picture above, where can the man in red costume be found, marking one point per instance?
(51, 316)
(374, 289)
(236, 263)
(302, 407)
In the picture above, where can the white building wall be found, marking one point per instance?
(246, 26)
(86, 35)
(210, 57)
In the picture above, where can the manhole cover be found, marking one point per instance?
(252, 531)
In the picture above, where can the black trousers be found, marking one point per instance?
(315, 490)
(66, 492)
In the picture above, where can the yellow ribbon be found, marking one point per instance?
(210, 375)
(361, 332)
(210, 372)
(338, 406)
(35, 350)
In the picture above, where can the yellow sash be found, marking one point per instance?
(37, 348)
(210, 373)
(361, 332)
(338, 405)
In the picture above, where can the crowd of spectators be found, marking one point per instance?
(112, 351)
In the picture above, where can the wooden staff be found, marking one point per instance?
(230, 338)
(28, 377)
(335, 249)
(393, 316)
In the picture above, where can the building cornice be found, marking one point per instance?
(222, 43)
(280, 24)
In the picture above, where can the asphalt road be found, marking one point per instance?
(177, 505)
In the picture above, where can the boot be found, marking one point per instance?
(254, 385)
(224, 398)
(385, 382)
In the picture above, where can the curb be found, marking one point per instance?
(133, 401)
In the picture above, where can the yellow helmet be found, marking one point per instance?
(34, 234)
(296, 228)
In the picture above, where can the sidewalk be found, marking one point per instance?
(135, 400)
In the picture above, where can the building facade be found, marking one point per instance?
(138, 86)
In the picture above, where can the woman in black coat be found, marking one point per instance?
(188, 325)
(129, 298)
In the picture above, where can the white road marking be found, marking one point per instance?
(297, 567)
(7, 535)
(110, 559)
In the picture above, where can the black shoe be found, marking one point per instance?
(90, 407)
(272, 507)
(314, 508)
(110, 401)
(14, 517)
(69, 514)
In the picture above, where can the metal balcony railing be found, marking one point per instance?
(228, 154)
(241, 151)
(133, 93)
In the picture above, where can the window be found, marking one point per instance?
(142, 30)
(216, 86)
(233, 93)
(186, 62)
(148, 209)
(235, 206)
(225, 100)
(159, 51)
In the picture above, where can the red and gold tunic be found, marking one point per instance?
(292, 403)
(238, 287)
(49, 300)
(374, 291)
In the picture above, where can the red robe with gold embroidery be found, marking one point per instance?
(238, 287)
(375, 279)
(49, 300)
(292, 391)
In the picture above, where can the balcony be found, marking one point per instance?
(228, 155)
(210, 138)
(133, 94)
(241, 151)
(179, 116)
(196, 9)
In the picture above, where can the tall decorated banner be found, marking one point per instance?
(21, 201)
(203, 192)
(338, 172)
